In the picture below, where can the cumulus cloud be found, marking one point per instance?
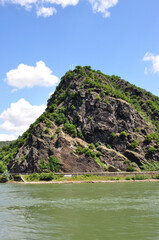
(29, 76)
(18, 117)
(23, 3)
(46, 8)
(7, 137)
(102, 6)
(154, 59)
(46, 12)
(41, 6)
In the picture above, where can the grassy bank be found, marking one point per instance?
(61, 178)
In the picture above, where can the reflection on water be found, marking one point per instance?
(110, 211)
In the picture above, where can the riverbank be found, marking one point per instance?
(105, 177)
(50, 178)
(85, 181)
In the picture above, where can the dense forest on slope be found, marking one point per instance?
(4, 143)
(93, 122)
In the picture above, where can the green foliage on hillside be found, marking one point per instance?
(3, 167)
(70, 129)
(4, 143)
(52, 165)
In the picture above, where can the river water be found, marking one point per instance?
(111, 211)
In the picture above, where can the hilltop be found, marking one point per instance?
(93, 123)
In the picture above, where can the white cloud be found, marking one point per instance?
(154, 59)
(102, 6)
(41, 6)
(7, 137)
(46, 8)
(46, 12)
(29, 76)
(63, 3)
(19, 116)
(23, 3)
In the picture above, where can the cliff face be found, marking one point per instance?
(93, 122)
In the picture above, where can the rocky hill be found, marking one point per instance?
(93, 123)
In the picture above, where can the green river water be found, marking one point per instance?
(110, 211)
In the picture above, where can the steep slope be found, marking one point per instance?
(93, 122)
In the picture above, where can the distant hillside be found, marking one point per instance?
(4, 143)
(93, 122)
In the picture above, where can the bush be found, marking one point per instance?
(153, 166)
(88, 81)
(128, 178)
(98, 98)
(123, 134)
(69, 75)
(98, 154)
(60, 118)
(90, 153)
(113, 135)
(46, 176)
(139, 177)
(89, 118)
(49, 124)
(72, 95)
(156, 177)
(97, 144)
(33, 177)
(151, 150)
(136, 129)
(79, 150)
(43, 166)
(148, 139)
(87, 68)
(73, 107)
(91, 146)
(70, 128)
(134, 144)
(90, 89)
(2, 167)
(78, 67)
(99, 148)
(63, 109)
(52, 108)
(53, 136)
(58, 130)
(102, 94)
(54, 164)
(5, 176)
(103, 165)
(130, 168)
(47, 130)
(108, 146)
(80, 134)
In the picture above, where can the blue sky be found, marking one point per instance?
(39, 40)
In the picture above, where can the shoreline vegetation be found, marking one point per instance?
(51, 178)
